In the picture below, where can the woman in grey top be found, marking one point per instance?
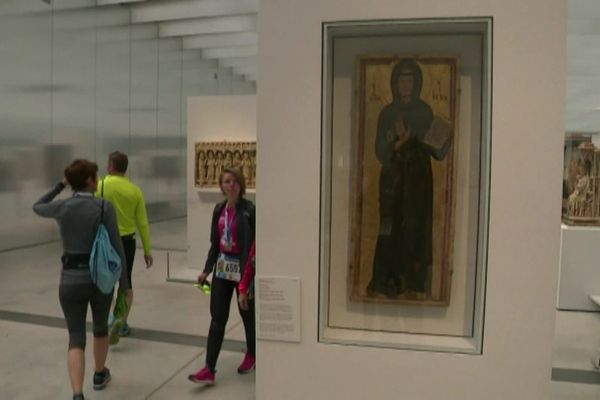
(78, 218)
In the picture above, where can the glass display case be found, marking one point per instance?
(581, 179)
(405, 183)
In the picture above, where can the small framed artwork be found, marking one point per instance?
(212, 157)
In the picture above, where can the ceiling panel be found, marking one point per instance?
(152, 11)
(220, 31)
(235, 23)
(230, 52)
(220, 40)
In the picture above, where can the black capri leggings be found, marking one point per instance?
(74, 299)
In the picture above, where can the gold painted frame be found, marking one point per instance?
(212, 157)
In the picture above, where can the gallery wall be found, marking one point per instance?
(212, 119)
(524, 225)
(79, 80)
(579, 275)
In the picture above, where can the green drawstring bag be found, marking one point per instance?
(120, 314)
(121, 307)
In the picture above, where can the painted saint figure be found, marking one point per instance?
(201, 169)
(210, 167)
(237, 160)
(219, 164)
(403, 253)
(246, 167)
(252, 173)
(228, 161)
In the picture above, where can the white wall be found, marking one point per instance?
(524, 235)
(212, 118)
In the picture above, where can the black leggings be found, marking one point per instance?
(220, 301)
(74, 299)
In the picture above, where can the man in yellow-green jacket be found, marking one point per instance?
(128, 201)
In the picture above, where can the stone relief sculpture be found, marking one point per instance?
(212, 157)
(581, 184)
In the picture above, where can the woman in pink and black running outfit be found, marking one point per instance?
(231, 236)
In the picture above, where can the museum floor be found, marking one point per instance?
(169, 323)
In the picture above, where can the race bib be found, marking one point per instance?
(228, 267)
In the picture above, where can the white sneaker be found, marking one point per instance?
(596, 361)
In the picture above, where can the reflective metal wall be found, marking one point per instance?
(78, 80)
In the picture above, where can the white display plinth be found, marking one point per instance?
(579, 268)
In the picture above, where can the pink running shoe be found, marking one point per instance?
(203, 376)
(247, 365)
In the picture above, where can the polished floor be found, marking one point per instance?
(169, 322)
